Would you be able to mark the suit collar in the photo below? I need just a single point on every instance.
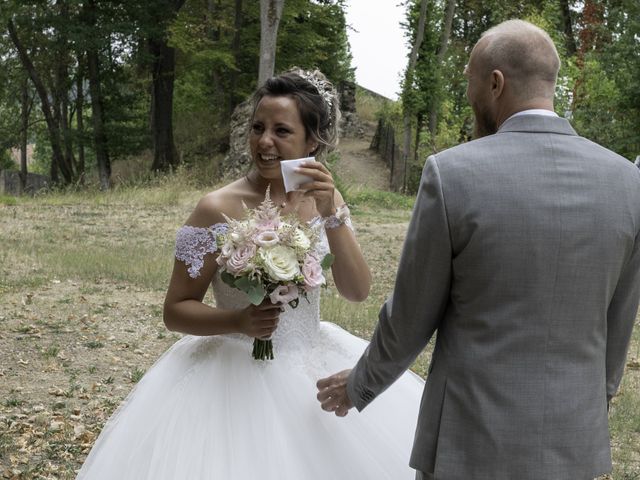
(537, 124)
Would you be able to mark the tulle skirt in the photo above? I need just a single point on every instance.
(207, 410)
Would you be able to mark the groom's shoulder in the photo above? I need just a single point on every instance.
(461, 154)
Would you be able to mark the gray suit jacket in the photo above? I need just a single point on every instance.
(523, 254)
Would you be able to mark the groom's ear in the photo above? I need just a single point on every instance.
(497, 84)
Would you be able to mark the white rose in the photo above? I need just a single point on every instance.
(280, 262)
(300, 240)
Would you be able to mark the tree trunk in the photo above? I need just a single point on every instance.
(165, 155)
(442, 50)
(270, 15)
(416, 145)
(97, 109)
(63, 85)
(62, 105)
(80, 166)
(57, 161)
(570, 41)
(399, 167)
(234, 98)
(24, 117)
(97, 116)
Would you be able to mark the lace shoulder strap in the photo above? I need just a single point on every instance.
(193, 243)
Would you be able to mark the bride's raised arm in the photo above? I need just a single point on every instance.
(350, 271)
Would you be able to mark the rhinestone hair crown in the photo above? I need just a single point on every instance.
(324, 88)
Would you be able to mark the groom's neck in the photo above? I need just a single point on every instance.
(511, 108)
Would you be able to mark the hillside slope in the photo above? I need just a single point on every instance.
(360, 166)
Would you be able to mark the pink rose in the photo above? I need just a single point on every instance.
(312, 272)
(225, 253)
(267, 238)
(284, 294)
(240, 259)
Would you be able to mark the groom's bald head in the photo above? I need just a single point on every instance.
(526, 56)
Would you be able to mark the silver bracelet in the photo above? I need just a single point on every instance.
(341, 217)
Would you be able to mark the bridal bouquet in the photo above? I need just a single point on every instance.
(266, 255)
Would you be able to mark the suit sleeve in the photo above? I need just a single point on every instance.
(414, 310)
(621, 317)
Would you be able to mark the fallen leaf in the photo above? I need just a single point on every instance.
(79, 430)
(55, 426)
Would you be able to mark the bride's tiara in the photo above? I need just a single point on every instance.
(325, 89)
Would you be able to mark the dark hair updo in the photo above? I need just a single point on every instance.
(317, 102)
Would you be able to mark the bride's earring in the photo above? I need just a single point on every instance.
(314, 147)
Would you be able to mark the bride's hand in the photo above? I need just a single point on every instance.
(260, 321)
(332, 393)
(322, 188)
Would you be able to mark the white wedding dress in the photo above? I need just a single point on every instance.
(207, 410)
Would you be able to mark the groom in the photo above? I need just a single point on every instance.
(523, 254)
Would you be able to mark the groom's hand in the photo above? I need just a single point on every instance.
(332, 393)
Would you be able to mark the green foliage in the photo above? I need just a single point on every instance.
(391, 112)
(8, 200)
(6, 162)
(367, 198)
(597, 99)
(136, 375)
(251, 286)
(314, 34)
(327, 261)
(597, 87)
(369, 105)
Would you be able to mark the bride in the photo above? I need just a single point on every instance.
(207, 409)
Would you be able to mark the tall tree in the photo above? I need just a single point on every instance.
(62, 82)
(567, 27)
(234, 98)
(163, 62)
(314, 35)
(399, 168)
(81, 165)
(97, 104)
(270, 15)
(25, 112)
(58, 162)
(440, 57)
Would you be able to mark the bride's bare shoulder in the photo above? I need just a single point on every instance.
(213, 207)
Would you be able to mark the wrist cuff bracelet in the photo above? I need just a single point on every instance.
(341, 217)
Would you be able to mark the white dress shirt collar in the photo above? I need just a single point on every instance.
(534, 111)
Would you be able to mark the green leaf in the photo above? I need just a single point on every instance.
(228, 279)
(243, 283)
(256, 294)
(327, 261)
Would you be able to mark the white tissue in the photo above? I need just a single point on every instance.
(293, 179)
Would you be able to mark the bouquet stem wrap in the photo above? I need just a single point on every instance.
(262, 349)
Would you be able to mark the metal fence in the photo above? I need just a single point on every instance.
(385, 143)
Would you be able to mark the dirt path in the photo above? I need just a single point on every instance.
(361, 166)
